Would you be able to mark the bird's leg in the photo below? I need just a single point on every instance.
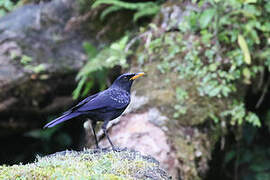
(104, 128)
(94, 123)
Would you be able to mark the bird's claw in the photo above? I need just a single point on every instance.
(116, 149)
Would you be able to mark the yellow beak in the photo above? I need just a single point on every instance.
(137, 75)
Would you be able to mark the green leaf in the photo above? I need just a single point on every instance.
(76, 92)
(259, 167)
(213, 67)
(244, 47)
(253, 119)
(229, 156)
(214, 117)
(87, 88)
(125, 5)
(105, 59)
(145, 12)
(246, 73)
(250, 1)
(267, 7)
(90, 49)
(109, 10)
(206, 17)
(26, 59)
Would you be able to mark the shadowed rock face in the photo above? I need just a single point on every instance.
(41, 51)
(38, 58)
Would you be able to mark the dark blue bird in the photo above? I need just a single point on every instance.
(103, 106)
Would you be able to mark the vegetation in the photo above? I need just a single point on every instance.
(102, 164)
(223, 45)
(116, 53)
(105, 59)
(8, 5)
(217, 68)
(5, 6)
(142, 9)
(239, 28)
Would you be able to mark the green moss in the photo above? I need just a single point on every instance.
(94, 164)
(201, 73)
(167, 57)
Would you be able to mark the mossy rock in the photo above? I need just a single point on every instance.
(93, 164)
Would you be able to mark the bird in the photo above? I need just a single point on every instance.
(102, 106)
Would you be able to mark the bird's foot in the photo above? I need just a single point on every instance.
(116, 149)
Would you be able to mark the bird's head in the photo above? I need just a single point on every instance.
(125, 81)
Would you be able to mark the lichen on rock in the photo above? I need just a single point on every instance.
(90, 163)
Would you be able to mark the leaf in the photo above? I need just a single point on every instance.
(213, 67)
(76, 92)
(145, 12)
(213, 117)
(250, 1)
(99, 61)
(229, 156)
(253, 119)
(267, 7)
(109, 10)
(259, 167)
(206, 17)
(87, 88)
(246, 73)
(90, 49)
(126, 5)
(244, 47)
(26, 59)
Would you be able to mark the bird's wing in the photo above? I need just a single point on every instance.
(71, 113)
(80, 104)
(104, 100)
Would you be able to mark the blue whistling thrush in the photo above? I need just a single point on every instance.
(103, 106)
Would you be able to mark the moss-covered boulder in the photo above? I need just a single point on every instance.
(88, 164)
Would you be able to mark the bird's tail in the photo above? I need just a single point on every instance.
(61, 119)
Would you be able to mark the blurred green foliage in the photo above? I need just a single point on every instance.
(240, 31)
(6, 6)
(98, 64)
(142, 8)
(26, 59)
(248, 159)
(116, 54)
(238, 115)
(180, 108)
(51, 139)
(217, 51)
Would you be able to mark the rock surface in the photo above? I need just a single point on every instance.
(41, 52)
(91, 163)
(182, 142)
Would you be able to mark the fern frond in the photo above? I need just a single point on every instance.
(126, 5)
(145, 12)
(144, 9)
(76, 92)
(109, 10)
(107, 58)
